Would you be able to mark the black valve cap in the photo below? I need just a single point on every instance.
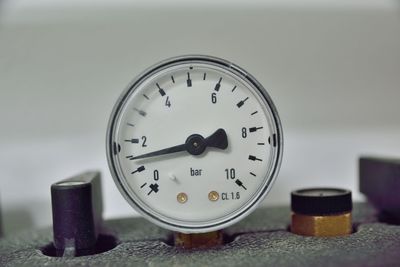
(321, 201)
(77, 214)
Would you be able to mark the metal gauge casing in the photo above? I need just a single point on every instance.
(194, 143)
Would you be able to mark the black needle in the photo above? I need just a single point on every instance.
(218, 139)
(164, 151)
(195, 144)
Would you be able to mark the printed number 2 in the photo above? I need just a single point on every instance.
(144, 139)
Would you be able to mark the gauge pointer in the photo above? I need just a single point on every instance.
(218, 139)
(195, 144)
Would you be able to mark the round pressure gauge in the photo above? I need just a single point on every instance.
(194, 144)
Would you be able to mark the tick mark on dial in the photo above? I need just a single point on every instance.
(189, 81)
(172, 78)
(160, 90)
(140, 169)
(233, 89)
(255, 112)
(253, 174)
(218, 85)
(204, 76)
(254, 129)
(254, 158)
(239, 183)
(141, 112)
(133, 140)
(241, 102)
(130, 124)
(260, 144)
(143, 185)
(145, 96)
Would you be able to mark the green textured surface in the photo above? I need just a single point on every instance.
(261, 239)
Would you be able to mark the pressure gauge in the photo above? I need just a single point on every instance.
(194, 144)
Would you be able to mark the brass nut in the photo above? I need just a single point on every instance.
(202, 240)
(323, 226)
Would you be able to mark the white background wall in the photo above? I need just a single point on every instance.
(332, 68)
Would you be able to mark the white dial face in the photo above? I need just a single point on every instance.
(194, 144)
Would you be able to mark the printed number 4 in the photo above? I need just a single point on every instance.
(167, 102)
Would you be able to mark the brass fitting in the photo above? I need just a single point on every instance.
(195, 241)
(328, 225)
(323, 212)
